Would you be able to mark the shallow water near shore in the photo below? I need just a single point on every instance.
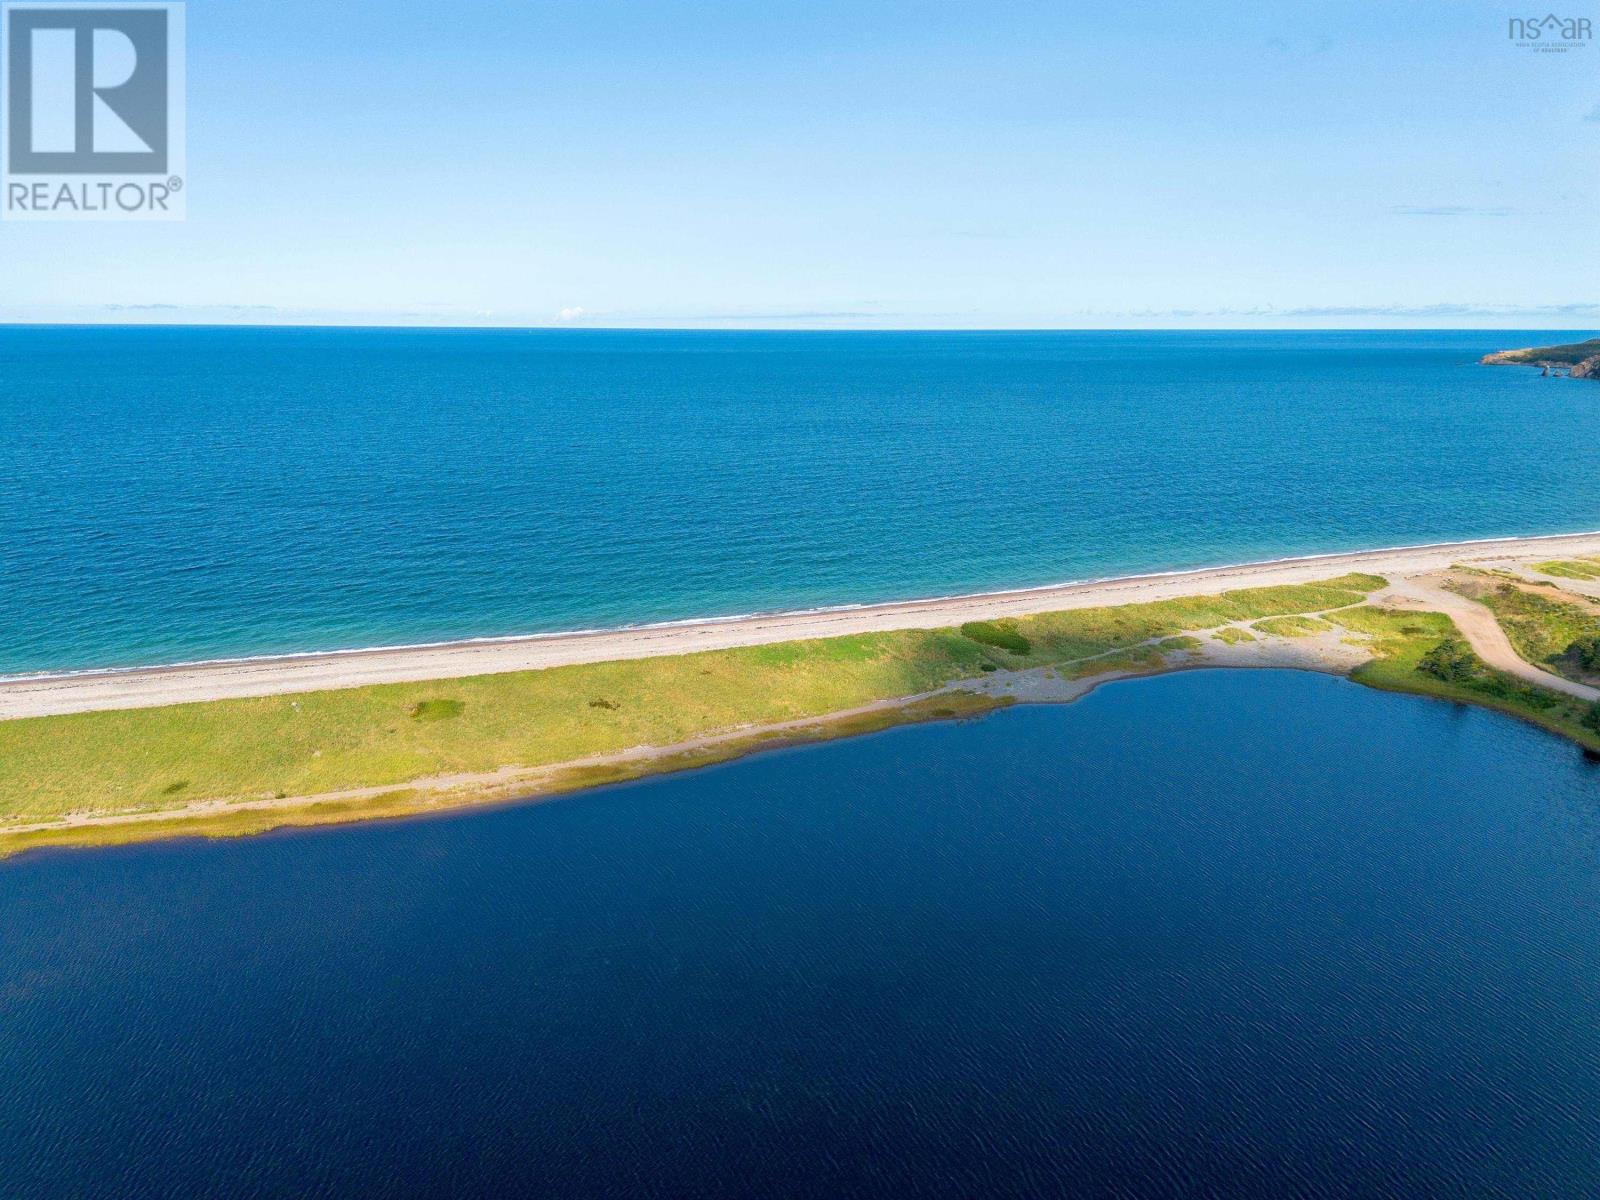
(1251, 934)
(170, 494)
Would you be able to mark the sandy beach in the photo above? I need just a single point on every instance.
(49, 695)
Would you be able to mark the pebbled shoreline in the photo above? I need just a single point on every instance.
(153, 687)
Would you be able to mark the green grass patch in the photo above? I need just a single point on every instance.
(1570, 568)
(1233, 635)
(238, 823)
(1292, 627)
(1139, 660)
(1181, 643)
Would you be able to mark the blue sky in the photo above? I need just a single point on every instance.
(857, 164)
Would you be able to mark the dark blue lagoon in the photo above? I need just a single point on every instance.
(174, 494)
(1216, 934)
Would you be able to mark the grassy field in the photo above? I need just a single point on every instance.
(144, 760)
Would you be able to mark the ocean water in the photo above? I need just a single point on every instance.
(174, 494)
(1243, 935)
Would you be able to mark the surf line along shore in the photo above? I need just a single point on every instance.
(151, 687)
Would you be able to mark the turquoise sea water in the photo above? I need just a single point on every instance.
(174, 494)
(1247, 935)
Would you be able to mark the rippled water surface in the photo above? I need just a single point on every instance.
(1234, 935)
(172, 494)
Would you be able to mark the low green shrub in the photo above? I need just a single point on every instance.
(1586, 652)
(1002, 634)
(436, 710)
(1451, 661)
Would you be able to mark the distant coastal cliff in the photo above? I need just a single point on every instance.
(1579, 360)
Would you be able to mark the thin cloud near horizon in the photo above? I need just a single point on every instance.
(1265, 316)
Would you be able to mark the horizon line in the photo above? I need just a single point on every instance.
(595, 327)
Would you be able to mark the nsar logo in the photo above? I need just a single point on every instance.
(1550, 34)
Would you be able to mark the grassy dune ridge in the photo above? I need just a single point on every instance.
(144, 760)
(1292, 626)
(244, 762)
